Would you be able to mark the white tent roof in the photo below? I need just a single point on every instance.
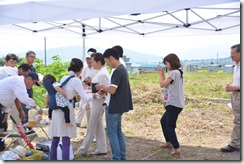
(121, 15)
(55, 10)
(139, 17)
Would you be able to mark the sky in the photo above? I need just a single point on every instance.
(186, 47)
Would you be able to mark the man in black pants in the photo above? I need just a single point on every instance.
(30, 59)
(3, 125)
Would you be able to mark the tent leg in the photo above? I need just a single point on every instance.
(84, 49)
(45, 51)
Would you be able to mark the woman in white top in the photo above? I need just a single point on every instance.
(95, 125)
(57, 127)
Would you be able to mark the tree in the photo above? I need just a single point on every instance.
(57, 69)
(2, 61)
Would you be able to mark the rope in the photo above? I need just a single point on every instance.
(151, 154)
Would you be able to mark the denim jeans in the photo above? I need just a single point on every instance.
(115, 135)
(168, 124)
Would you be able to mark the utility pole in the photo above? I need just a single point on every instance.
(217, 58)
(45, 51)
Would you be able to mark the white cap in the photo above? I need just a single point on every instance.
(88, 55)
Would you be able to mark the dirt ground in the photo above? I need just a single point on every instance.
(201, 135)
(201, 132)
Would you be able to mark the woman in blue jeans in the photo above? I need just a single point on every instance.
(173, 100)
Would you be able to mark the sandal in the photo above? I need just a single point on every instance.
(166, 146)
(175, 153)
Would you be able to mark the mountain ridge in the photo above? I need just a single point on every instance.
(67, 53)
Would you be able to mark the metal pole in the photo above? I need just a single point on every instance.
(84, 48)
(84, 37)
(217, 57)
(45, 51)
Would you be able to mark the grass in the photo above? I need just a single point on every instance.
(199, 85)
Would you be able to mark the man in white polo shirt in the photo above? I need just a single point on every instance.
(235, 142)
(15, 87)
(87, 74)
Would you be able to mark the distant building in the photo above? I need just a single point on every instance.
(149, 68)
(228, 68)
(213, 68)
(135, 68)
(190, 68)
(126, 59)
(128, 66)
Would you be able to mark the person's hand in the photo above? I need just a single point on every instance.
(85, 86)
(88, 80)
(5, 118)
(98, 86)
(78, 97)
(64, 94)
(40, 111)
(87, 106)
(22, 115)
(160, 70)
(228, 88)
(96, 96)
(101, 92)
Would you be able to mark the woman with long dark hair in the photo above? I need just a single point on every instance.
(57, 128)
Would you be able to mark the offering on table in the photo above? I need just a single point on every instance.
(32, 117)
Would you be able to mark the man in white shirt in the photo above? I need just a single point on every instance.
(234, 144)
(15, 87)
(87, 74)
(8, 71)
(30, 59)
(9, 68)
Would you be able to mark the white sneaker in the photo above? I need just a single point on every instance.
(94, 139)
(80, 151)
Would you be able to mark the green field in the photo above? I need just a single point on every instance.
(199, 85)
(196, 84)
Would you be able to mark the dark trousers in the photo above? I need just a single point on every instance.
(26, 110)
(168, 124)
(4, 126)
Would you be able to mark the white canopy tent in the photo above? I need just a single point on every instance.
(138, 17)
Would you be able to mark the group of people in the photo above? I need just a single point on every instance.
(16, 90)
(110, 94)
